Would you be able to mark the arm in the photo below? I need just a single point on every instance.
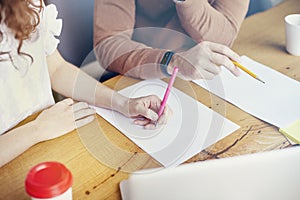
(45, 127)
(17, 141)
(218, 21)
(70, 81)
(113, 25)
(116, 50)
(66, 78)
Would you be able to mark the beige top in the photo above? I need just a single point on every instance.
(115, 41)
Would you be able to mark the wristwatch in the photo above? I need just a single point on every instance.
(165, 62)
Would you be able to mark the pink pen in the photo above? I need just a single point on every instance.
(164, 101)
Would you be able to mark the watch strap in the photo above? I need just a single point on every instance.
(165, 62)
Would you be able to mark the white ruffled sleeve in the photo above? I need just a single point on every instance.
(51, 29)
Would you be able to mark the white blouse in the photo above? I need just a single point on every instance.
(24, 86)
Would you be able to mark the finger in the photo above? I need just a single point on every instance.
(163, 119)
(150, 126)
(67, 101)
(155, 102)
(212, 68)
(138, 117)
(142, 122)
(84, 113)
(79, 105)
(223, 60)
(147, 113)
(84, 121)
(225, 50)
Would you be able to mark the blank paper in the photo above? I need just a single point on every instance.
(192, 128)
(276, 102)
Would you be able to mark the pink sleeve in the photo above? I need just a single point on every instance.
(113, 25)
(216, 20)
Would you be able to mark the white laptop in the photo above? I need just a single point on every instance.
(272, 175)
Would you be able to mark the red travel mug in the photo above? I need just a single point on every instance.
(49, 181)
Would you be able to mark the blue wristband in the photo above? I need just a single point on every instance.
(165, 62)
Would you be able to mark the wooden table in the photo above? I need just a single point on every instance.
(261, 38)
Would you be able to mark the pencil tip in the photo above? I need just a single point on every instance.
(261, 80)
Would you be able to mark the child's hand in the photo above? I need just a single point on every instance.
(62, 118)
(145, 110)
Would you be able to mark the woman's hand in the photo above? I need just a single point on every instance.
(62, 118)
(144, 110)
(203, 60)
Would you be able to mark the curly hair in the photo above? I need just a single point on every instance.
(21, 17)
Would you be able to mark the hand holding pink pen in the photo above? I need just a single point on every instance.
(164, 101)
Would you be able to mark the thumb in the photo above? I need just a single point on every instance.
(149, 114)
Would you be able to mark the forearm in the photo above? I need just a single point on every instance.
(70, 81)
(130, 58)
(18, 140)
(114, 23)
(218, 22)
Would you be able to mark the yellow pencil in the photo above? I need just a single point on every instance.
(247, 71)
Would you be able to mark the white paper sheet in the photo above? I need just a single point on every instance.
(192, 127)
(276, 102)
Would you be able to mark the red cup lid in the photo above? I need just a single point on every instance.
(48, 179)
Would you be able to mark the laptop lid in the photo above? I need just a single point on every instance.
(269, 175)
